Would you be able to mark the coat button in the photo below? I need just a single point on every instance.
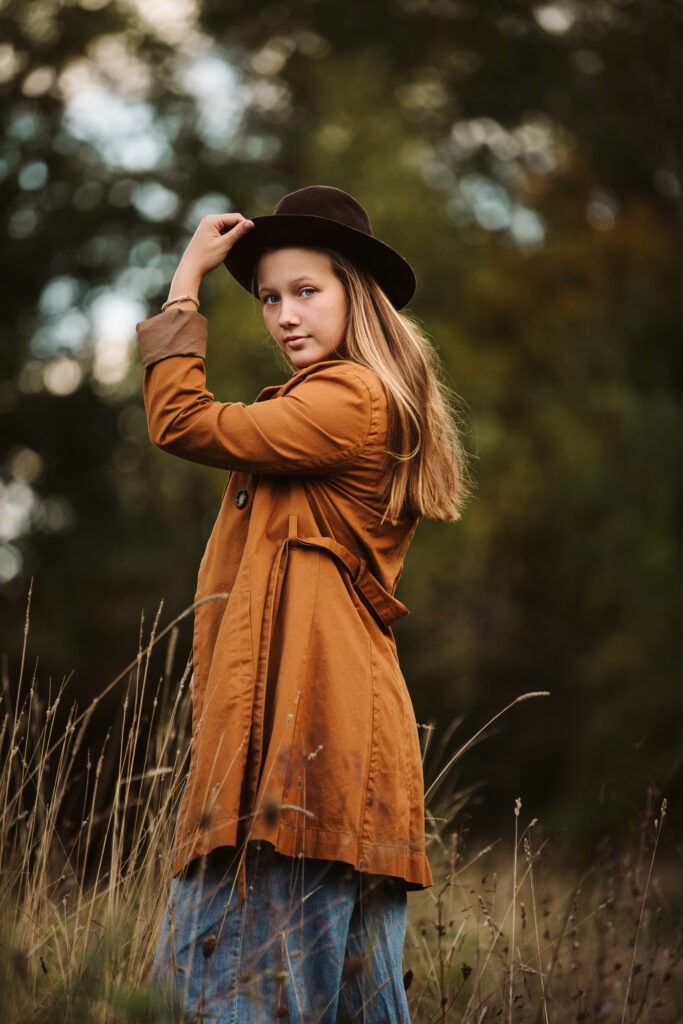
(242, 498)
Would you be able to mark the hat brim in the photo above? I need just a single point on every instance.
(393, 274)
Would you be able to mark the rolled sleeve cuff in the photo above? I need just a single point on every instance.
(177, 332)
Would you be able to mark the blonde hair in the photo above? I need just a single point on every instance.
(427, 470)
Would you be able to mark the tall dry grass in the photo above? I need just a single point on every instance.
(86, 830)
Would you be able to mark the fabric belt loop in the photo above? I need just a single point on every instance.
(293, 526)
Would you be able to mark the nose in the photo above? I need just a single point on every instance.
(288, 313)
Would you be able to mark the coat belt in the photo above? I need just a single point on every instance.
(384, 604)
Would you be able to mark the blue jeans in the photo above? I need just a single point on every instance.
(315, 940)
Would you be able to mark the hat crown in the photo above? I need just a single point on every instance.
(327, 202)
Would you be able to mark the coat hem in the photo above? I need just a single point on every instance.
(378, 859)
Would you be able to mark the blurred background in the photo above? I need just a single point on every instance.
(527, 159)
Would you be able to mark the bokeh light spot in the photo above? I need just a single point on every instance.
(155, 202)
(59, 294)
(23, 222)
(555, 19)
(38, 81)
(10, 562)
(602, 209)
(24, 464)
(62, 376)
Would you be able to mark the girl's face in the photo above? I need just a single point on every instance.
(304, 304)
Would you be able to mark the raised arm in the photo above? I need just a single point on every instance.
(212, 241)
(320, 425)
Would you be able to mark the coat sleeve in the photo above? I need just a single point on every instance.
(319, 426)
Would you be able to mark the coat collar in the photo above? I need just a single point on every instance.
(278, 390)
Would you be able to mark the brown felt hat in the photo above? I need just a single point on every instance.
(323, 217)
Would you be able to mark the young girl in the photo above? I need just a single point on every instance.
(302, 821)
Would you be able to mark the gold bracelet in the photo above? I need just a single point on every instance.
(181, 298)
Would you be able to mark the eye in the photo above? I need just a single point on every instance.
(308, 288)
(267, 298)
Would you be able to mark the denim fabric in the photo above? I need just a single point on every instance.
(315, 941)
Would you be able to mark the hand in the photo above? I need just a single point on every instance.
(210, 244)
(212, 241)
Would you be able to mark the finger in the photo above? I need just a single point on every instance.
(225, 221)
(238, 230)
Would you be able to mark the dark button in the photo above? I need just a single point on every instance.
(242, 498)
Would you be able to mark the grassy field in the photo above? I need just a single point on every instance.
(504, 934)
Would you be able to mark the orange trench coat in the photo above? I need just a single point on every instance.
(303, 729)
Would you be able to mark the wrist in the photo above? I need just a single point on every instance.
(181, 302)
(186, 281)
